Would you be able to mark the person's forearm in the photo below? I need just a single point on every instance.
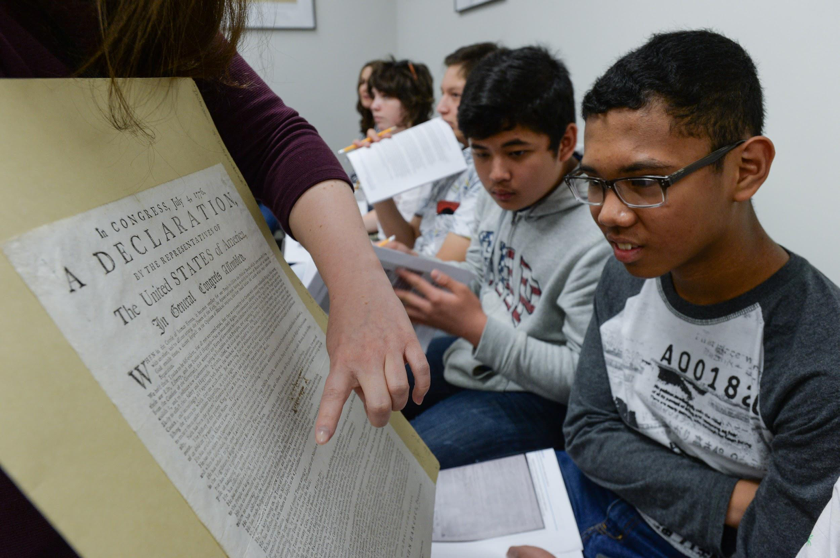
(369, 337)
(684, 495)
(393, 224)
(453, 249)
(471, 328)
(541, 367)
(370, 221)
(326, 221)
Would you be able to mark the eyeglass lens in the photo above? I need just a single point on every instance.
(633, 191)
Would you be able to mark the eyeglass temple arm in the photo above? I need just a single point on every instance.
(707, 160)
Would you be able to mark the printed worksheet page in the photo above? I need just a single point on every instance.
(413, 157)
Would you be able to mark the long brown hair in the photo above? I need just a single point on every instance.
(162, 38)
(366, 123)
(411, 83)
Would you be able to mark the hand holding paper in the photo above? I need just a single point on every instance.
(454, 308)
(400, 247)
(416, 156)
(372, 137)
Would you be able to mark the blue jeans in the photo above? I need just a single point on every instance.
(463, 426)
(609, 527)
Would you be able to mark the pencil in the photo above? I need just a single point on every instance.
(366, 140)
(382, 243)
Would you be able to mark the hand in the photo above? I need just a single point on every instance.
(369, 336)
(453, 308)
(372, 137)
(400, 247)
(369, 339)
(742, 496)
(528, 552)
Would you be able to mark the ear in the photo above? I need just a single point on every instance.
(567, 143)
(753, 167)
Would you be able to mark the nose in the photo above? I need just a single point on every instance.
(441, 106)
(376, 104)
(613, 213)
(499, 171)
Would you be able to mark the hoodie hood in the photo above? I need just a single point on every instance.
(560, 199)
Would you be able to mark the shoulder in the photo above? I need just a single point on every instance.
(805, 308)
(801, 339)
(614, 288)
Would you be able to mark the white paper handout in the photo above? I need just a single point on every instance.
(489, 484)
(392, 260)
(413, 157)
(177, 305)
(486, 500)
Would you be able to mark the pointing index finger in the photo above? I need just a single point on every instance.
(336, 392)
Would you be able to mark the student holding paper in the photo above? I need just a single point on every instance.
(500, 386)
(402, 98)
(443, 225)
(704, 420)
(284, 161)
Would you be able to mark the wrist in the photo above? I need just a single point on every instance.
(475, 328)
(359, 274)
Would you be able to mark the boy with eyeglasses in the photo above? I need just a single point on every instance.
(501, 385)
(704, 419)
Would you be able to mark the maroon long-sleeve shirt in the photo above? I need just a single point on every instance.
(279, 153)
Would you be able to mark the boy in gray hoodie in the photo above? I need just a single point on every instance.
(500, 386)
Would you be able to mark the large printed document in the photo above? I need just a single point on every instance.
(161, 371)
(421, 154)
(177, 305)
(482, 510)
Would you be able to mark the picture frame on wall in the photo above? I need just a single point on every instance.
(281, 14)
(464, 5)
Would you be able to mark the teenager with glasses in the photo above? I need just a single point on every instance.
(704, 416)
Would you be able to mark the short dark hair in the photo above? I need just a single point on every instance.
(707, 82)
(410, 82)
(523, 87)
(468, 56)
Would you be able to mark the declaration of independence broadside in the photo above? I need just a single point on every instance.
(176, 304)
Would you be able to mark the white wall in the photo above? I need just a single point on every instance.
(316, 71)
(796, 46)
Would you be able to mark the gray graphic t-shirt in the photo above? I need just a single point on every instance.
(673, 403)
(691, 385)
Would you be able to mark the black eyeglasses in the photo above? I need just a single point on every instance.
(638, 191)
